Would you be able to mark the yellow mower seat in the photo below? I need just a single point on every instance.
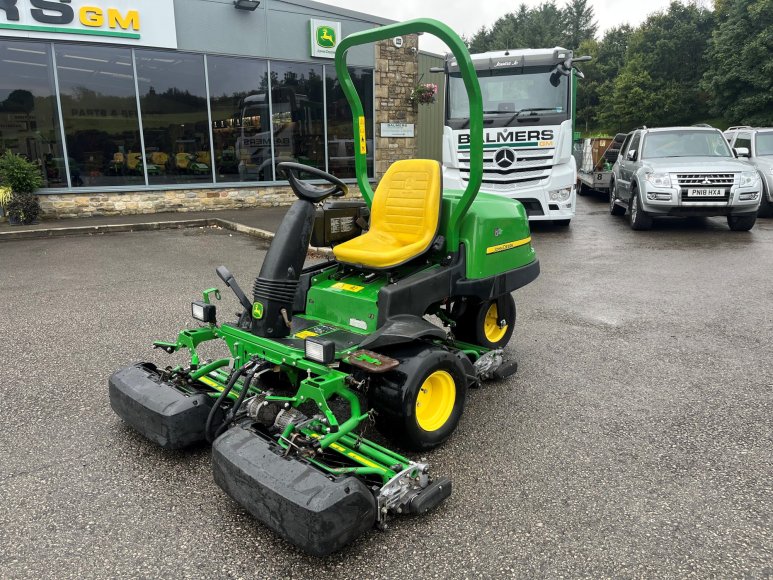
(404, 217)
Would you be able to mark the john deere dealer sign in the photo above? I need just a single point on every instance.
(325, 36)
(134, 22)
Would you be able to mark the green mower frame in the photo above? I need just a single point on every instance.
(284, 409)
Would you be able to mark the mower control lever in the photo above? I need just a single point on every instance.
(225, 275)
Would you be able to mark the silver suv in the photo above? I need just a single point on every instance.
(683, 171)
(757, 146)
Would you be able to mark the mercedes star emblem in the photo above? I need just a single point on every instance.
(504, 158)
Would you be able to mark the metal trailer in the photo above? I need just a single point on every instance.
(597, 156)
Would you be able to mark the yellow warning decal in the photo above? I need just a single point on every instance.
(351, 454)
(306, 334)
(347, 287)
(210, 383)
(363, 140)
(508, 246)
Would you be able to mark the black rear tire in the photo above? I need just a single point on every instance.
(428, 375)
(471, 325)
(582, 189)
(741, 223)
(614, 209)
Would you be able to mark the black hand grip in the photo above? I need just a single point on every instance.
(225, 275)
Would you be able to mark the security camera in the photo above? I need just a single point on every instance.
(414, 50)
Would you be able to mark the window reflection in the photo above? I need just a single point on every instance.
(340, 132)
(174, 117)
(298, 113)
(29, 124)
(241, 124)
(99, 107)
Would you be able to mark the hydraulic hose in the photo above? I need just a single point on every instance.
(231, 382)
(243, 395)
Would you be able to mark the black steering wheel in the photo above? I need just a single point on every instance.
(308, 192)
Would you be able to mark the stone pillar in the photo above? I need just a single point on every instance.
(397, 71)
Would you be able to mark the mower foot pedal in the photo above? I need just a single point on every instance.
(506, 369)
(430, 496)
(372, 362)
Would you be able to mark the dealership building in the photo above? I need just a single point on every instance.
(138, 106)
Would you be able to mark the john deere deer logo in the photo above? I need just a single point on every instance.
(326, 37)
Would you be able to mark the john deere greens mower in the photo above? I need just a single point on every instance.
(319, 353)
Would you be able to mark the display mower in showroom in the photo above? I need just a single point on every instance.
(319, 353)
(686, 172)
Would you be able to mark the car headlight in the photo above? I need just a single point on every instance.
(561, 194)
(749, 179)
(658, 179)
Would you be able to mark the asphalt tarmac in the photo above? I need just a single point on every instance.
(635, 441)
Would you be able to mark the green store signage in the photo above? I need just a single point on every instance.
(325, 35)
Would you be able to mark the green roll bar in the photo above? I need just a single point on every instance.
(459, 50)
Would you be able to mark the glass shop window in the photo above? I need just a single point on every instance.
(241, 123)
(173, 101)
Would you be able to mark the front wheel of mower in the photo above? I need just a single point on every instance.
(480, 323)
(420, 403)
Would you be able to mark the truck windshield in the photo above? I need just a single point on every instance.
(685, 144)
(509, 95)
(764, 143)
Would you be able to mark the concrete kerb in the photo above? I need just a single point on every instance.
(150, 226)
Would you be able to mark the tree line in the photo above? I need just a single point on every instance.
(686, 64)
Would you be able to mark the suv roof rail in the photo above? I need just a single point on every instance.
(642, 127)
(736, 127)
(706, 125)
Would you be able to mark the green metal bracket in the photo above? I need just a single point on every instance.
(207, 294)
(470, 78)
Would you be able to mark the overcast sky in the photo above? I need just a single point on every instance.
(467, 16)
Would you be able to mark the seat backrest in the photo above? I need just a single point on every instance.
(406, 203)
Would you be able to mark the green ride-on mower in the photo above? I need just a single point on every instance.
(319, 352)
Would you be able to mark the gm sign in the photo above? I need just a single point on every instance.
(137, 22)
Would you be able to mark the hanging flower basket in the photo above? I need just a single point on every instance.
(424, 94)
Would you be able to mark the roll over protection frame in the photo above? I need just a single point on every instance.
(471, 83)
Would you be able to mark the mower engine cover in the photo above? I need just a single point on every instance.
(297, 501)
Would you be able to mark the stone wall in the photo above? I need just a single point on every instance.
(397, 71)
(59, 206)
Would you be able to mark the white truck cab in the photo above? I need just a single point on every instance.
(528, 103)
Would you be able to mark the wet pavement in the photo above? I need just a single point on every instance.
(635, 440)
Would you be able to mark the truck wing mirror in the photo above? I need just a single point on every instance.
(741, 151)
(631, 155)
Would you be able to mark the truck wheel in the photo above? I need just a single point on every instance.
(582, 189)
(614, 209)
(479, 323)
(420, 403)
(741, 223)
(639, 219)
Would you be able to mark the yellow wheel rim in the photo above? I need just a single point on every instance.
(435, 401)
(491, 325)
